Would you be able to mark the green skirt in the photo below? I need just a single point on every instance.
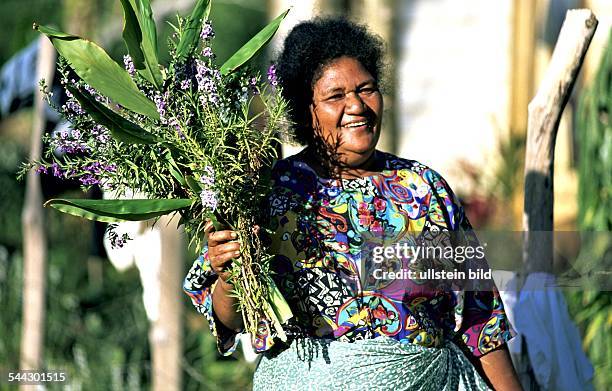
(373, 364)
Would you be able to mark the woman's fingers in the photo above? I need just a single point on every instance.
(208, 226)
(229, 249)
(219, 237)
(222, 248)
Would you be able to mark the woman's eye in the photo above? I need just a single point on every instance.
(336, 97)
(368, 90)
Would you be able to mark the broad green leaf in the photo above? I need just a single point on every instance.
(149, 41)
(191, 35)
(251, 48)
(111, 211)
(141, 40)
(121, 128)
(132, 36)
(98, 70)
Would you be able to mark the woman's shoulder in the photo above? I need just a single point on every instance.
(414, 167)
(293, 174)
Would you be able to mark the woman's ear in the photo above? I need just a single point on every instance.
(313, 116)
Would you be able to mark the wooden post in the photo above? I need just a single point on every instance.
(544, 114)
(165, 335)
(33, 222)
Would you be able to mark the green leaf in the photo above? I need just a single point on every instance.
(132, 35)
(174, 169)
(149, 42)
(121, 128)
(142, 47)
(191, 35)
(252, 47)
(111, 211)
(279, 304)
(98, 70)
(193, 184)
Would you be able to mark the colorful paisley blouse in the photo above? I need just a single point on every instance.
(325, 234)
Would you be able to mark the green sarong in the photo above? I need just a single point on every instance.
(373, 364)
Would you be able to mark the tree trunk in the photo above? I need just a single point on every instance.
(165, 335)
(34, 237)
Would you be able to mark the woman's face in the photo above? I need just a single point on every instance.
(347, 110)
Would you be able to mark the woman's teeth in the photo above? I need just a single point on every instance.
(356, 124)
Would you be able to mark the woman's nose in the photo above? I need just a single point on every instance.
(354, 103)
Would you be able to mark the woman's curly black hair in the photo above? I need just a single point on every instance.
(308, 48)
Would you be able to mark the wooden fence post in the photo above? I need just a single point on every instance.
(544, 114)
(34, 236)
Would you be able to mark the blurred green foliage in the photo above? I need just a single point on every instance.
(96, 326)
(16, 23)
(592, 309)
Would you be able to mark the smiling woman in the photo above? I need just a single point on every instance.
(329, 206)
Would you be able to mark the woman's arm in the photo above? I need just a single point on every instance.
(221, 250)
(497, 370)
(224, 306)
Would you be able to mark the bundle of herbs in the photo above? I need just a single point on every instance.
(194, 137)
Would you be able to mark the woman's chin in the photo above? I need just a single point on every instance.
(357, 158)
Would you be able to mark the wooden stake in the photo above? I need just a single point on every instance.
(34, 236)
(544, 114)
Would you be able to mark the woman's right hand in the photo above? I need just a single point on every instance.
(222, 249)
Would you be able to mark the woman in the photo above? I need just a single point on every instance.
(335, 210)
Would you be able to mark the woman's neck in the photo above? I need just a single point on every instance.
(326, 167)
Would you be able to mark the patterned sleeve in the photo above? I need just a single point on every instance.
(481, 323)
(198, 285)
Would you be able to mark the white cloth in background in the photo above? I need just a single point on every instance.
(540, 315)
(144, 250)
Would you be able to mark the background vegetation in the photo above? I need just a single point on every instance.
(96, 327)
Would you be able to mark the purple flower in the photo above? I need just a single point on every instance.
(207, 52)
(129, 65)
(177, 127)
(88, 179)
(209, 199)
(101, 134)
(41, 170)
(272, 75)
(205, 78)
(94, 93)
(207, 32)
(185, 84)
(160, 103)
(73, 107)
(208, 179)
(57, 171)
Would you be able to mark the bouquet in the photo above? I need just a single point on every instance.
(183, 135)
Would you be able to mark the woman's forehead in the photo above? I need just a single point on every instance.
(343, 72)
